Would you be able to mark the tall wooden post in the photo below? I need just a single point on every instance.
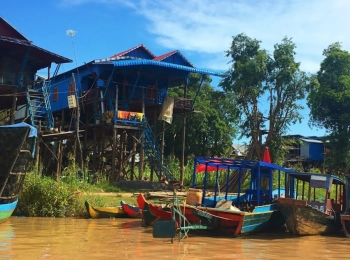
(162, 143)
(114, 148)
(182, 170)
(14, 105)
(59, 160)
(142, 139)
(133, 159)
(77, 124)
(37, 152)
(94, 155)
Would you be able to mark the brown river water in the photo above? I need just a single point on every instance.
(59, 238)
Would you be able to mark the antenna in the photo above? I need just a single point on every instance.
(71, 34)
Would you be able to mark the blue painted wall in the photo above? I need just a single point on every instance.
(316, 151)
(132, 92)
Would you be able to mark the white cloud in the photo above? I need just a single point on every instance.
(207, 27)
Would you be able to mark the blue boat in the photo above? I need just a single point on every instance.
(253, 208)
(17, 144)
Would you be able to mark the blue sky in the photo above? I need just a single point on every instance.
(201, 29)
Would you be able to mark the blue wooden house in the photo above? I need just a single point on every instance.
(309, 150)
(129, 88)
(312, 149)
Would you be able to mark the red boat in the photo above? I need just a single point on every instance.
(131, 211)
(147, 218)
(141, 201)
(160, 212)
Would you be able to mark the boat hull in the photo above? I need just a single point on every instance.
(7, 209)
(302, 219)
(147, 217)
(263, 218)
(131, 211)
(159, 211)
(345, 221)
(104, 212)
(16, 151)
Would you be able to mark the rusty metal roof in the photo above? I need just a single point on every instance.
(174, 54)
(37, 53)
(141, 46)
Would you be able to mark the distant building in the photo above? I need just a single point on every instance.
(307, 150)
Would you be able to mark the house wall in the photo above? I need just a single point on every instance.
(304, 150)
(61, 82)
(316, 151)
(312, 151)
(154, 89)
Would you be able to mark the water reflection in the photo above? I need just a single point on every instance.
(51, 238)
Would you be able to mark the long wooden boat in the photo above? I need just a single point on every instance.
(237, 222)
(131, 211)
(250, 211)
(345, 217)
(160, 212)
(17, 149)
(104, 212)
(147, 218)
(310, 214)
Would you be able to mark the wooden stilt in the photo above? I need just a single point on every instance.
(37, 152)
(141, 163)
(114, 148)
(59, 160)
(94, 154)
(182, 170)
(14, 105)
(132, 170)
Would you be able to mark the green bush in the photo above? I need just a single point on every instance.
(43, 197)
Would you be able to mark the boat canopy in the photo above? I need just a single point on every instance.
(207, 164)
(307, 176)
(236, 171)
(33, 132)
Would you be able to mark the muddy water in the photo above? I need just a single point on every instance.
(50, 238)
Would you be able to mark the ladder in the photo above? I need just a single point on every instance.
(153, 153)
(39, 107)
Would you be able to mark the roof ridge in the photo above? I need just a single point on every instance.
(133, 48)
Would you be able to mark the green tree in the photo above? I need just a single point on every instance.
(267, 89)
(210, 128)
(329, 102)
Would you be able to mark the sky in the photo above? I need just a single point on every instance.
(201, 30)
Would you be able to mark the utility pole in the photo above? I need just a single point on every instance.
(77, 121)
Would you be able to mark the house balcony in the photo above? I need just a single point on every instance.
(183, 105)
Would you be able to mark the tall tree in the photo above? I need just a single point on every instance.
(267, 89)
(210, 128)
(329, 102)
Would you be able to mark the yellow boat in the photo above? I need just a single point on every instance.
(105, 212)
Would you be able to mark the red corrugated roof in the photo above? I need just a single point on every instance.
(132, 49)
(166, 55)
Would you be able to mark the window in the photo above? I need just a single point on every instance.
(55, 94)
(71, 89)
